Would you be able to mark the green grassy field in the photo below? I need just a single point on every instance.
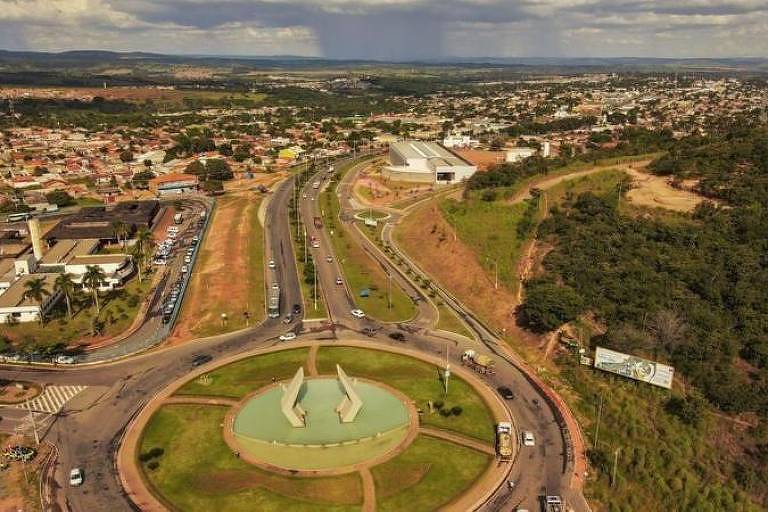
(411, 481)
(238, 379)
(118, 310)
(489, 228)
(419, 381)
(198, 472)
(362, 272)
(448, 321)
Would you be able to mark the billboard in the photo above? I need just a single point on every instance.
(634, 367)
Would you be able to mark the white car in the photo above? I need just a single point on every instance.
(184, 269)
(528, 439)
(316, 244)
(272, 264)
(288, 336)
(187, 259)
(76, 477)
(329, 259)
(65, 359)
(357, 313)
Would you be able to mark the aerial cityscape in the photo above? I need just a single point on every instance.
(332, 256)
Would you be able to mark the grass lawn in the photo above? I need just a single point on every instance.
(427, 475)
(362, 272)
(118, 310)
(490, 229)
(198, 472)
(448, 321)
(238, 379)
(419, 381)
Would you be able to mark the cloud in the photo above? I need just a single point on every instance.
(392, 29)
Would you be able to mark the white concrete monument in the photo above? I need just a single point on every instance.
(289, 403)
(351, 403)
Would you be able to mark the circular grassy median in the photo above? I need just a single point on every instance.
(189, 465)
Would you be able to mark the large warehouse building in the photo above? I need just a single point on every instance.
(426, 162)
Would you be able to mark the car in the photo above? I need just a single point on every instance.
(65, 359)
(339, 281)
(505, 392)
(316, 244)
(287, 336)
(201, 359)
(296, 309)
(187, 259)
(397, 336)
(369, 331)
(272, 264)
(303, 196)
(76, 477)
(160, 261)
(329, 259)
(288, 318)
(357, 313)
(528, 439)
(184, 269)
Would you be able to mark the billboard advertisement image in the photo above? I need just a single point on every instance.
(634, 367)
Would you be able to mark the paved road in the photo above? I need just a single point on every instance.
(88, 437)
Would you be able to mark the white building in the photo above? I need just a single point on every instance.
(459, 141)
(15, 307)
(518, 154)
(426, 162)
(116, 267)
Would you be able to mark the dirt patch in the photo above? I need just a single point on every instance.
(222, 278)
(307, 489)
(17, 392)
(482, 159)
(659, 192)
(427, 235)
(373, 189)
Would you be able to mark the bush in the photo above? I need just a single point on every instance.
(445, 412)
(547, 305)
(438, 404)
(456, 410)
(156, 452)
(153, 465)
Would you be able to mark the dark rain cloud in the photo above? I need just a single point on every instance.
(665, 7)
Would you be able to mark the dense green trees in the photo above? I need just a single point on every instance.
(548, 305)
(60, 198)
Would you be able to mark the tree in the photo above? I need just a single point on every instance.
(213, 186)
(60, 198)
(92, 279)
(142, 248)
(547, 306)
(197, 168)
(120, 229)
(126, 156)
(66, 286)
(218, 169)
(668, 329)
(35, 289)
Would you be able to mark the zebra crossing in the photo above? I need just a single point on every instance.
(52, 399)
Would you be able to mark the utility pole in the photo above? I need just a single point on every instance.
(615, 463)
(389, 290)
(597, 423)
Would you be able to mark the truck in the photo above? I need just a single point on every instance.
(504, 439)
(318, 222)
(273, 304)
(478, 362)
(178, 218)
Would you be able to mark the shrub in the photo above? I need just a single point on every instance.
(153, 465)
(456, 410)
(438, 404)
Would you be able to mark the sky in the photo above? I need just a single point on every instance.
(393, 29)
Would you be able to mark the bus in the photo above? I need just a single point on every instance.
(17, 217)
(273, 303)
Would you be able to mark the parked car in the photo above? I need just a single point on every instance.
(288, 336)
(397, 336)
(505, 392)
(187, 259)
(64, 359)
(76, 477)
(184, 269)
(296, 309)
(272, 264)
(357, 313)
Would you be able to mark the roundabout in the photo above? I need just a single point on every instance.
(373, 430)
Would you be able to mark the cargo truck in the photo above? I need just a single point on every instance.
(478, 362)
(504, 439)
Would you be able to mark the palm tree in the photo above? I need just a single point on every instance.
(93, 279)
(121, 231)
(66, 286)
(35, 290)
(142, 247)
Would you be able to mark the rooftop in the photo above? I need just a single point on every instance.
(14, 296)
(429, 150)
(64, 250)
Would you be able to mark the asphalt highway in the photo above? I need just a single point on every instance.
(88, 432)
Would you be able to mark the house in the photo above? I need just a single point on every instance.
(16, 307)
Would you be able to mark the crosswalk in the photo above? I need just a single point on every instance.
(52, 399)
